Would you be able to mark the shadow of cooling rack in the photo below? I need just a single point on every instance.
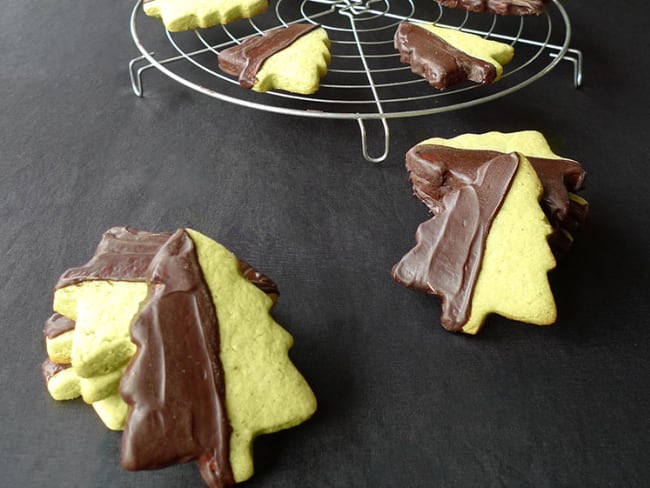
(366, 80)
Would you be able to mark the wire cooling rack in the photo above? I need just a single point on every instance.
(366, 80)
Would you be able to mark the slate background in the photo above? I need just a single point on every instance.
(402, 402)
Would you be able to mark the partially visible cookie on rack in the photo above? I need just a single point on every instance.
(183, 15)
(446, 57)
(500, 7)
(292, 59)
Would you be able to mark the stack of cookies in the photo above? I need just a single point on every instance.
(170, 338)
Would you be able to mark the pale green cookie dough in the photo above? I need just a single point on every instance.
(103, 311)
(513, 280)
(59, 348)
(528, 142)
(494, 52)
(299, 67)
(97, 388)
(264, 390)
(112, 411)
(64, 385)
(182, 15)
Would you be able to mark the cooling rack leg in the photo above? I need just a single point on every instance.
(136, 74)
(364, 142)
(575, 57)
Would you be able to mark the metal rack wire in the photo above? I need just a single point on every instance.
(365, 80)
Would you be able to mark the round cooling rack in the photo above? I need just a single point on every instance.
(366, 80)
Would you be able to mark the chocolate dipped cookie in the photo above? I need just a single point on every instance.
(486, 248)
(292, 58)
(500, 7)
(446, 57)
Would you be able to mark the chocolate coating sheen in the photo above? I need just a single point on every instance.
(465, 194)
(559, 177)
(260, 280)
(437, 61)
(123, 253)
(500, 7)
(245, 60)
(56, 325)
(174, 384)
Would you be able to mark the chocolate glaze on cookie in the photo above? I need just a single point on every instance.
(559, 177)
(468, 193)
(260, 280)
(123, 254)
(440, 63)
(49, 369)
(56, 325)
(500, 7)
(174, 385)
(246, 59)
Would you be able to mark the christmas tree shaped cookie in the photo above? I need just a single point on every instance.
(445, 57)
(209, 369)
(292, 59)
(485, 250)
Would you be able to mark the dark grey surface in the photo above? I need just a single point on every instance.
(402, 402)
